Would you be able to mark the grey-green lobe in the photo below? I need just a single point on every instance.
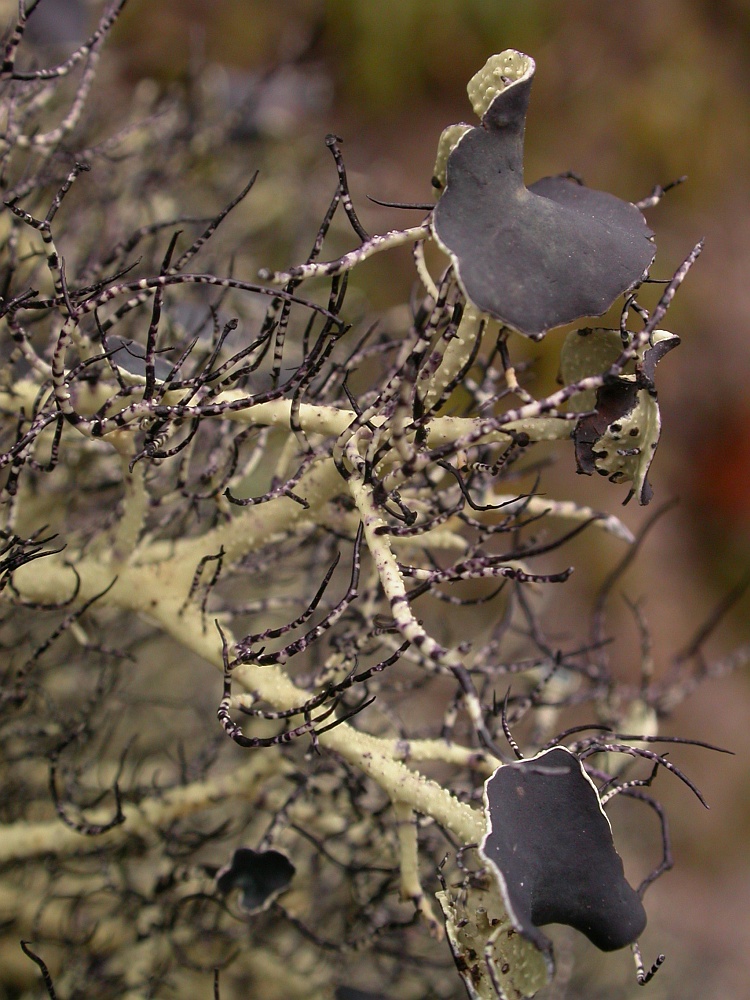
(534, 258)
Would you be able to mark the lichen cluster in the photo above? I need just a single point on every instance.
(268, 569)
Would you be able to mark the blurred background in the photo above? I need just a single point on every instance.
(627, 95)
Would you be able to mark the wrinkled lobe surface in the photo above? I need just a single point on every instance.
(552, 846)
(536, 257)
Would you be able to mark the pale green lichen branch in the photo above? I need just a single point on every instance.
(150, 590)
(376, 244)
(411, 886)
(432, 653)
(143, 820)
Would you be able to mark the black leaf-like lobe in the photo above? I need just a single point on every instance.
(259, 875)
(537, 257)
(614, 401)
(551, 846)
